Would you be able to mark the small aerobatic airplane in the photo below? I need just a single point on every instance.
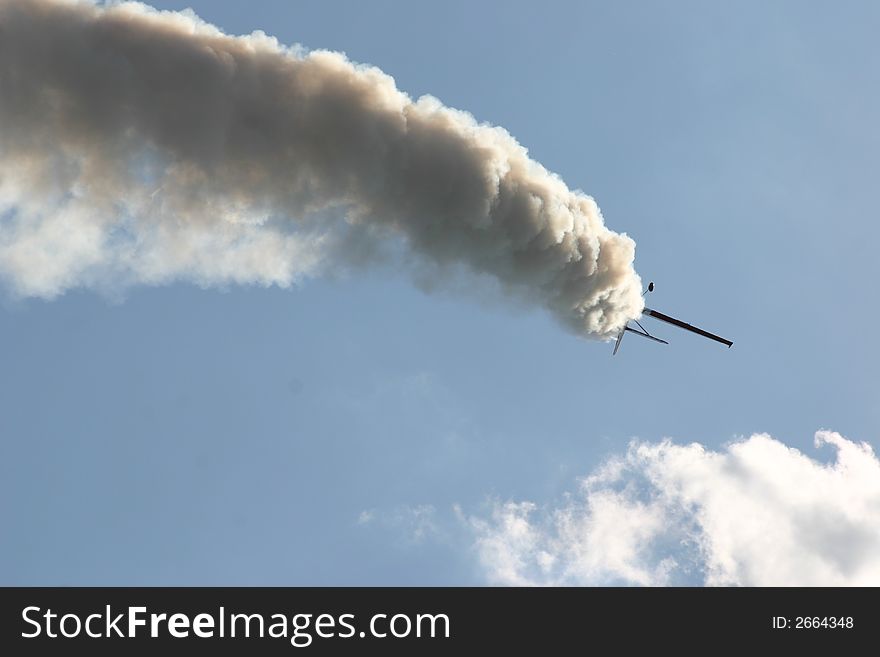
(669, 320)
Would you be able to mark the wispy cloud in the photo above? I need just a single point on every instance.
(414, 524)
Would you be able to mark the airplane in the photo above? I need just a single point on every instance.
(663, 318)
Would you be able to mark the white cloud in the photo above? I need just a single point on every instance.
(755, 513)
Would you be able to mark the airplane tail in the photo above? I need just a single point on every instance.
(643, 332)
(619, 340)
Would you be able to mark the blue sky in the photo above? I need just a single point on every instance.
(188, 436)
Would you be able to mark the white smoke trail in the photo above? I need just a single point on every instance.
(141, 147)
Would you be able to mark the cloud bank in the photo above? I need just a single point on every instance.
(143, 147)
(756, 513)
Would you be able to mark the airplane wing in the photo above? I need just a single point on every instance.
(684, 325)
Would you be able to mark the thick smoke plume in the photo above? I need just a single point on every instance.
(141, 147)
